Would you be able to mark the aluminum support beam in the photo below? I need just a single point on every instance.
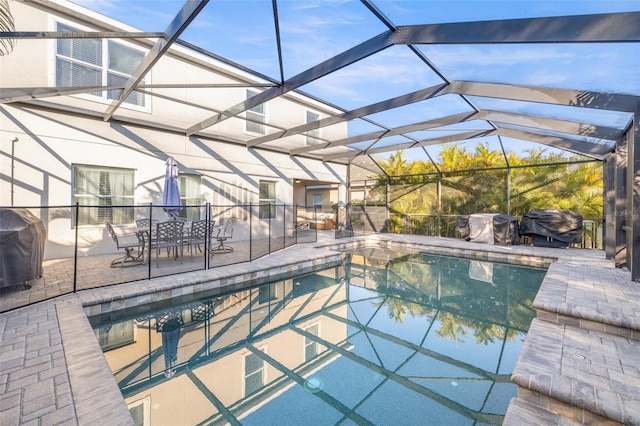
(597, 28)
(424, 142)
(579, 129)
(633, 198)
(348, 57)
(576, 98)
(592, 150)
(20, 94)
(551, 124)
(425, 125)
(609, 204)
(186, 15)
(43, 35)
(406, 99)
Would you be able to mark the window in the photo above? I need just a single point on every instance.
(96, 62)
(267, 199)
(106, 192)
(253, 373)
(190, 195)
(313, 135)
(311, 347)
(255, 116)
(317, 200)
(267, 293)
(141, 411)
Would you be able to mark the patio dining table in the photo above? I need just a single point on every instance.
(174, 235)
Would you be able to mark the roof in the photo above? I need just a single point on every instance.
(409, 75)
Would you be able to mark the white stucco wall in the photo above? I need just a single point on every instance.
(51, 140)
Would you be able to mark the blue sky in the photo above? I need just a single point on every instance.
(315, 30)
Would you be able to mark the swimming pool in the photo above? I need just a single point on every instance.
(384, 338)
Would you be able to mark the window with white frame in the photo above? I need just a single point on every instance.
(97, 62)
(313, 136)
(256, 116)
(104, 194)
(141, 411)
(191, 196)
(267, 199)
(311, 347)
(254, 373)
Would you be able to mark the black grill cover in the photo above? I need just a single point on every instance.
(561, 225)
(505, 230)
(22, 238)
(462, 227)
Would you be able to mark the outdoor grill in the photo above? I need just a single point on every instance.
(552, 228)
(22, 238)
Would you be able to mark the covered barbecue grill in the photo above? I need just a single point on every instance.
(552, 228)
(491, 228)
(22, 238)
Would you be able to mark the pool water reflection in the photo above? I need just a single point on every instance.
(384, 338)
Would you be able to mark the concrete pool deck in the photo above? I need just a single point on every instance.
(579, 363)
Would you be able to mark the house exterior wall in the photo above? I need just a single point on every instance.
(52, 138)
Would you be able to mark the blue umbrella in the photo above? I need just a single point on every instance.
(171, 193)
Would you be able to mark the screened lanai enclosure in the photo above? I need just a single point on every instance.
(451, 107)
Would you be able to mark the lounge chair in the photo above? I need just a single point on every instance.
(131, 242)
(225, 233)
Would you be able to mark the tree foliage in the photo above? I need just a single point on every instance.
(477, 181)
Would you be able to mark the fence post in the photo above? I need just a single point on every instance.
(439, 190)
(149, 245)
(207, 236)
(251, 232)
(270, 227)
(75, 251)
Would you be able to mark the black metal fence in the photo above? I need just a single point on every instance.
(362, 219)
(77, 251)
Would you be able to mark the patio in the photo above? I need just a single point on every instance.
(96, 270)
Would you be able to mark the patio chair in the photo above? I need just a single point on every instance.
(146, 225)
(168, 235)
(201, 234)
(225, 233)
(131, 242)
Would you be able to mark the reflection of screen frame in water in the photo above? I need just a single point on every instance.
(440, 312)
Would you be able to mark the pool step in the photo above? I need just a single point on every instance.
(523, 413)
(581, 357)
(580, 297)
(586, 376)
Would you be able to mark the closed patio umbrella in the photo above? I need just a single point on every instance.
(170, 325)
(171, 193)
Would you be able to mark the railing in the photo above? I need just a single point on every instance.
(361, 220)
(55, 250)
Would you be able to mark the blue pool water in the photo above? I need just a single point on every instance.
(384, 338)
